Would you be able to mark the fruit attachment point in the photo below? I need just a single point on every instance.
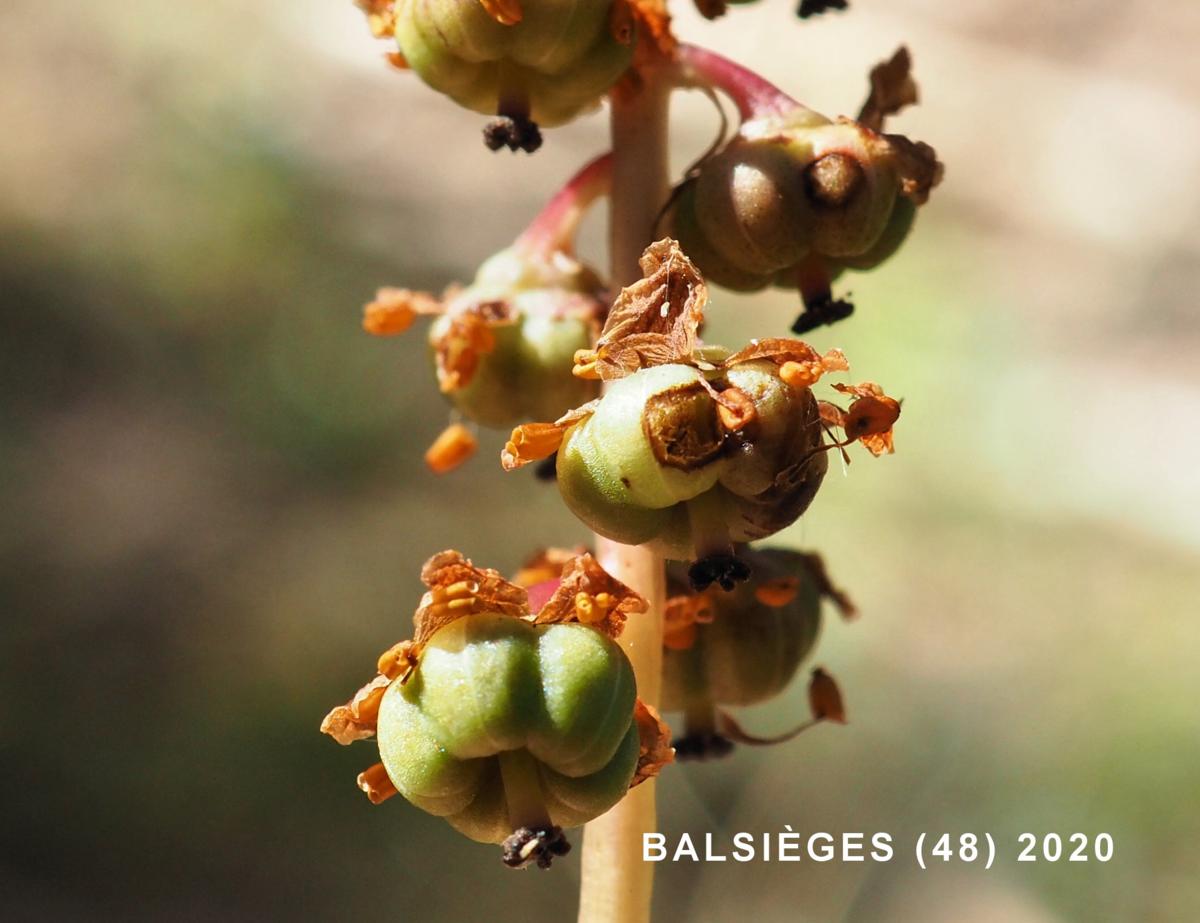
(529, 845)
(515, 132)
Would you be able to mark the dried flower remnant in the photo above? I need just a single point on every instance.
(741, 648)
(795, 198)
(512, 58)
(502, 347)
(551, 733)
(692, 448)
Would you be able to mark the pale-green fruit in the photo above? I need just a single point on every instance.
(559, 60)
(560, 696)
(548, 309)
(654, 465)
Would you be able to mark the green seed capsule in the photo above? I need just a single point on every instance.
(751, 650)
(555, 60)
(504, 720)
(504, 346)
(656, 464)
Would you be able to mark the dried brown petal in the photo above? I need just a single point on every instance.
(357, 718)
(532, 442)
(871, 417)
(824, 698)
(815, 565)
(892, 88)
(452, 447)
(654, 321)
(399, 660)
(457, 589)
(376, 783)
(655, 738)
(800, 365)
(544, 565)
(468, 338)
(588, 594)
(394, 310)
(735, 409)
(381, 17)
(919, 168)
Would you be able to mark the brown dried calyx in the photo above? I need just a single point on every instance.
(654, 321)
(892, 89)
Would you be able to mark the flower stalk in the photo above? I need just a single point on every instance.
(617, 885)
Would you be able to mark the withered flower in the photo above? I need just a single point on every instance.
(692, 448)
(808, 196)
(728, 649)
(510, 723)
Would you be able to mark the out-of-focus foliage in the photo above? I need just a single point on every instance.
(214, 506)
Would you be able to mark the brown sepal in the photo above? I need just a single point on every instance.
(800, 365)
(918, 166)
(394, 309)
(356, 719)
(532, 442)
(815, 565)
(892, 88)
(824, 698)
(654, 321)
(588, 594)
(457, 588)
(654, 736)
(545, 564)
(870, 418)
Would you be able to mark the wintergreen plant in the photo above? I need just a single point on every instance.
(521, 708)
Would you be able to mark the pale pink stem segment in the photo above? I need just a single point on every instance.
(555, 227)
(753, 96)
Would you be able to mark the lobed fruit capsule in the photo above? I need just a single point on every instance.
(743, 647)
(510, 724)
(535, 61)
(658, 463)
(499, 708)
(503, 346)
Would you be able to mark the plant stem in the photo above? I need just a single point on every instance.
(617, 884)
(753, 96)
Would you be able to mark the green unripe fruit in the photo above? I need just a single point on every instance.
(501, 712)
(532, 317)
(654, 463)
(560, 58)
(750, 651)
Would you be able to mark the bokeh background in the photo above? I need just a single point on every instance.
(214, 508)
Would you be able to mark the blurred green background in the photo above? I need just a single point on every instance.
(215, 510)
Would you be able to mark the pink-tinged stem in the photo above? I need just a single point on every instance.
(555, 227)
(753, 96)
